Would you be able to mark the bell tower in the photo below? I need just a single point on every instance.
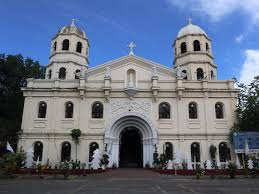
(193, 53)
(69, 53)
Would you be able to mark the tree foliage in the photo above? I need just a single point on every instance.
(75, 134)
(14, 70)
(13, 161)
(248, 107)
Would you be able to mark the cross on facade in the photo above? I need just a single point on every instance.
(131, 47)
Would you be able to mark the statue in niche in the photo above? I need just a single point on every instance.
(131, 81)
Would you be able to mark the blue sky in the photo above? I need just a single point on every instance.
(27, 27)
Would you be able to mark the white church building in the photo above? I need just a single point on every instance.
(129, 107)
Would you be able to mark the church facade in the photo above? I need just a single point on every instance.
(130, 107)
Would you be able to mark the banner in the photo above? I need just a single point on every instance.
(246, 142)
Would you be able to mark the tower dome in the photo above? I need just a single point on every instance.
(72, 29)
(191, 29)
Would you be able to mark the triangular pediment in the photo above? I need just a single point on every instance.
(118, 67)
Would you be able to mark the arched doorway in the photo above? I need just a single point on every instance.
(115, 130)
(131, 151)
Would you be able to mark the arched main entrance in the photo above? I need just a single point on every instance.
(131, 148)
(115, 132)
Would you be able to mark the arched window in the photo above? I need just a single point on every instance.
(97, 110)
(164, 110)
(200, 74)
(65, 152)
(62, 73)
(92, 147)
(193, 112)
(212, 75)
(50, 74)
(55, 46)
(196, 45)
(37, 151)
(76, 76)
(195, 152)
(65, 45)
(168, 150)
(219, 110)
(42, 110)
(69, 110)
(185, 74)
(79, 47)
(224, 152)
(207, 47)
(183, 48)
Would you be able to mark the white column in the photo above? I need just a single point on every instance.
(116, 148)
(147, 152)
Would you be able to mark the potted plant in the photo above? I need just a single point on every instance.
(104, 161)
(199, 171)
(155, 160)
(163, 161)
(232, 169)
(64, 168)
(147, 165)
(114, 166)
(39, 169)
(75, 134)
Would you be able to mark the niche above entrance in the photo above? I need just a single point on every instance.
(131, 83)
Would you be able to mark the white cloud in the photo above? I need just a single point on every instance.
(250, 68)
(217, 9)
(239, 38)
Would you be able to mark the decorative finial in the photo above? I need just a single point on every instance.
(73, 22)
(131, 47)
(189, 20)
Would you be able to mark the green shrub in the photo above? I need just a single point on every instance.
(232, 169)
(64, 168)
(199, 171)
(155, 159)
(105, 160)
(13, 161)
(163, 161)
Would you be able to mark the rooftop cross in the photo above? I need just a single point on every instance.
(189, 20)
(73, 22)
(131, 47)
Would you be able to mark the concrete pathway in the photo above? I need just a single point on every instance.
(131, 173)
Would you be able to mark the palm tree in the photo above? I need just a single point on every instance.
(75, 134)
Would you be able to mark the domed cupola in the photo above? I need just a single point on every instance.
(193, 54)
(72, 29)
(69, 53)
(191, 29)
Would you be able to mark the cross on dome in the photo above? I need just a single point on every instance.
(189, 20)
(73, 22)
(131, 47)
